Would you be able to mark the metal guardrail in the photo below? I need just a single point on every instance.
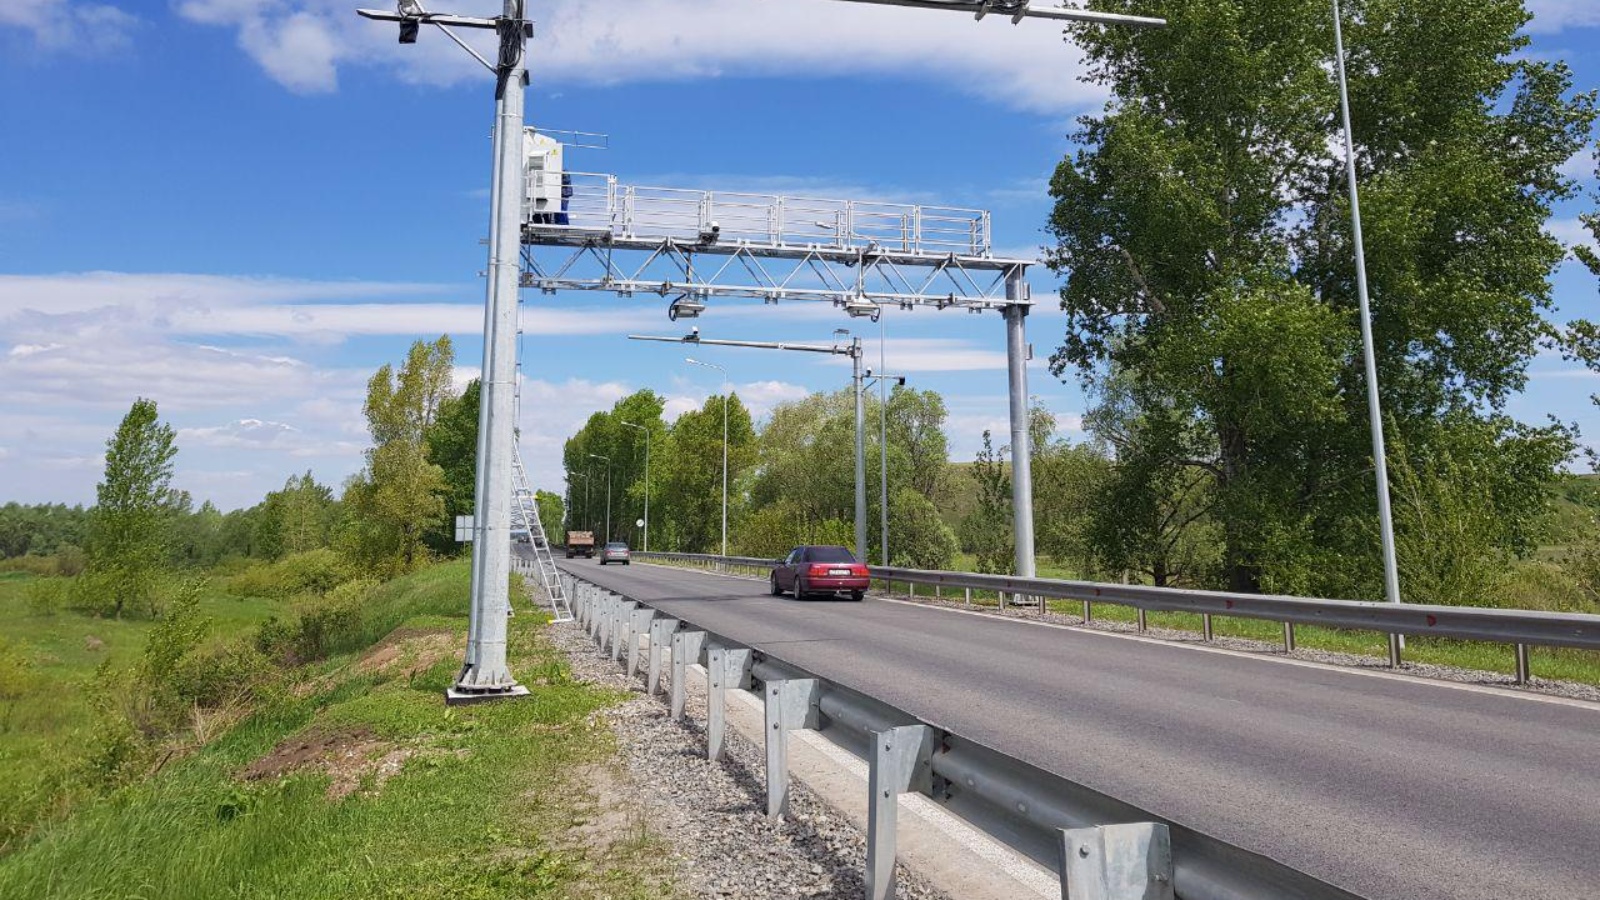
(1520, 628)
(1103, 848)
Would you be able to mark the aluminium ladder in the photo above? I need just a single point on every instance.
(525, 517)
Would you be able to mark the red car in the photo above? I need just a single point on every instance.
(820, 570)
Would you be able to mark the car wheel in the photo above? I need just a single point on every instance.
(858, 596)
(774, 589)
(800, 591)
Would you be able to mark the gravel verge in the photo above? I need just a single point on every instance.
(1567, 689)
(713, 815)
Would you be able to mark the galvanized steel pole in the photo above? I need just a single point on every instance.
(883, 447)
(1391, 569)
(1021, 452)
(485, 670)
(646, 432)
(861, 450)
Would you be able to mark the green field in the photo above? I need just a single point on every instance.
(353, 780)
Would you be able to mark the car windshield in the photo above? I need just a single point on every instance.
(830, 554)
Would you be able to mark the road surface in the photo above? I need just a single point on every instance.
(1392, 788)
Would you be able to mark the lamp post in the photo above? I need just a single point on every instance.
(646, 481)
(1391, 569)
(696, 362)
(883, 378)
(607, 459)
(857, 381)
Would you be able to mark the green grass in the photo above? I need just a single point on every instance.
(40, 734)
(480, 806)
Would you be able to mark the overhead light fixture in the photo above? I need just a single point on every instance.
(710, 233)
(860, 308)
(685, 308)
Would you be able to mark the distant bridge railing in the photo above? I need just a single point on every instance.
(1519, 628)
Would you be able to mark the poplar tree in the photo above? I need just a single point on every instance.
(134, 505)
(1205, 234)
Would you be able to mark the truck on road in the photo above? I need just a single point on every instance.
(580, 543)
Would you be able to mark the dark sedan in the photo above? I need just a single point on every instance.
(820, 570)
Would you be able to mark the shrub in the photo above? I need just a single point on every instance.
(312, 572)
(322, 626)
(46, 596)
(17, 680)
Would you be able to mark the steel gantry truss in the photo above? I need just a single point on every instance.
(860, 256)
(692, 247)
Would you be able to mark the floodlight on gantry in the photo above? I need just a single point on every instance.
(694, 246)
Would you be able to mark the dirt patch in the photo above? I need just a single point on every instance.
(407, 652)
(350, 757)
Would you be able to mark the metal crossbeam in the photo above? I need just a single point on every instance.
(673, 270)
(701, 245)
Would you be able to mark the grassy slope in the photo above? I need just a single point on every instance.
(478, 807)
(37, 740)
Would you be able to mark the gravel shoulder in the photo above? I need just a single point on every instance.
(712, 816)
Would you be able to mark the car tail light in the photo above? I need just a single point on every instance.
(859, 570)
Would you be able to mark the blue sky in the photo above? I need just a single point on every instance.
(242, 207)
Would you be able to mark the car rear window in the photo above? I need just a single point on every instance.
(830, 554)
(616, 546)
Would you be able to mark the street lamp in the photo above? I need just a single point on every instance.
(883, 378)
(696, 362)
(608, 492)
(646, 481)
(1391, 569)
(852, 350)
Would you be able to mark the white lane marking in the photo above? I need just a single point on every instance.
(1490, 690)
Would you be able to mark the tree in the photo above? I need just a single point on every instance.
(392, 503)
(689, 514)
(1205, 235)
(452, 442)
(297, 518)
(133, 506)
(987, 530)
(551, 513)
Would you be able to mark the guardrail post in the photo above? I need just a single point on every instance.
(968, 594)
(685, 653)
(622, 628)
(642, 618)
(1117, 862)
(1205, 626)
(899, 764)
(661, 635)
(1288, 637)
(938, 593)
(1088, 612)
(790, 704)
(726, 668)
(1144, 620)
(1522, 664)
(1394, 651)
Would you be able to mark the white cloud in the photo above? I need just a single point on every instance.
(1551, 16)
(1572, 233)
(57, 25)
(302, 43)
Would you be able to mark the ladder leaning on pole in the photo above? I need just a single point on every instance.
(525, 520)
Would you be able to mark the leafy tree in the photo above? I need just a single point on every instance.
(772, 531)
(919, 539)
(689, 514)
(391, 504)
(134, 504)
(1067, 481)
(605, 435)
(452, 441)
(1204, 230)
(987, 530)
(551, 513)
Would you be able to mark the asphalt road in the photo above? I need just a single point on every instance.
(1394, 789)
